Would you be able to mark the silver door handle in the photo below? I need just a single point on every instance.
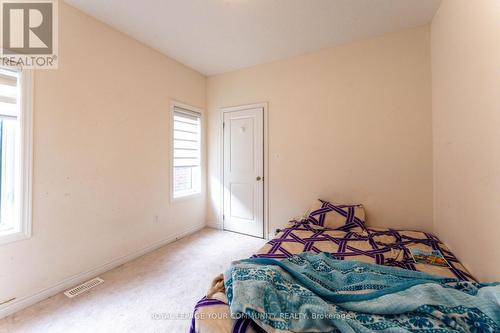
(258, 178)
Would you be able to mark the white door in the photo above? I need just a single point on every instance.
(244, 171)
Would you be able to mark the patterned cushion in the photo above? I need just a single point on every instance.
(337, 216)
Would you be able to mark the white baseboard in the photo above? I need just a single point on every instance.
(74, 280)
(215, 225)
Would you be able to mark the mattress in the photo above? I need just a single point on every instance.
(387, 247)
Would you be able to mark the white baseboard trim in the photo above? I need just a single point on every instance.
(74, 280)
(215, 225)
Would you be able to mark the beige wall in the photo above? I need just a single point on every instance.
(351, 123)
(466, 121)
(101, 156)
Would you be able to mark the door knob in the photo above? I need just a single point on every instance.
(258, 178)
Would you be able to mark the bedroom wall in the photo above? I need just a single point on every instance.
(350, 123)
(466, 124)
(101, 157)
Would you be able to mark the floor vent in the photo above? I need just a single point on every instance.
(83, 287)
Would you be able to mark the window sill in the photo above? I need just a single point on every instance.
(185, 197)
(10, 237)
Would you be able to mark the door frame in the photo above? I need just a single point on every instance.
(224, 110)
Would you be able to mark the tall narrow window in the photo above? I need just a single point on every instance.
(15, 154)
(186, 167)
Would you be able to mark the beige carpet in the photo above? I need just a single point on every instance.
(167, 281)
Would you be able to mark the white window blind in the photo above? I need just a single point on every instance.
(9, 150)
(187, 154)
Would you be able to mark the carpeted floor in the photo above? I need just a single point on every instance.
(169, 280)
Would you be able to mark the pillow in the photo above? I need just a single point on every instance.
(337, 216)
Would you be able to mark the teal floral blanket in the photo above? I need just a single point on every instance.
(316, 293)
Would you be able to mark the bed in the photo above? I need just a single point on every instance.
(352, 241)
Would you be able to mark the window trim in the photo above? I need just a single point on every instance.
(175, 104)
(26, 160)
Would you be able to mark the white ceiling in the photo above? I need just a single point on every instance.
(215, 36)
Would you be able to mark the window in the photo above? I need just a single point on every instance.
(15, 154)
(186, 169)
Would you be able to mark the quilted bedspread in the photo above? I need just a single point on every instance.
(387, 247)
